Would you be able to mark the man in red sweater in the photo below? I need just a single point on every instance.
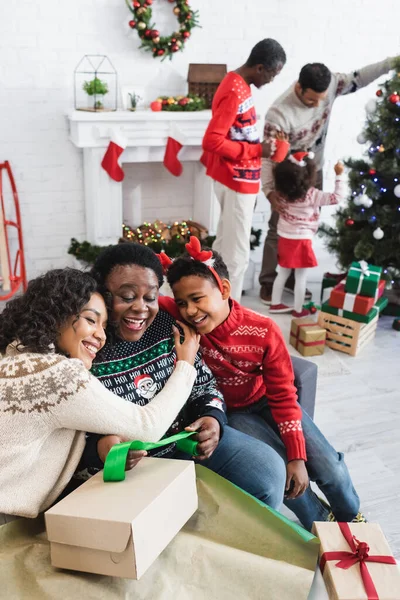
(248, 356)
(232, 154)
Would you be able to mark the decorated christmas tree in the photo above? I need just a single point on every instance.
(368, 228)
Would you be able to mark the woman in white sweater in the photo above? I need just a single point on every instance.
(48, 399)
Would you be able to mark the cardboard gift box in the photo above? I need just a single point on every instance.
(353, 316)
(363, 279)
(120, 528)
(356, 562)
(361, 305)
(307, 337)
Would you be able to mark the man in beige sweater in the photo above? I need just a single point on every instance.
(303, 112)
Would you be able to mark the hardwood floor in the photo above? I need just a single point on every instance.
(358, 409)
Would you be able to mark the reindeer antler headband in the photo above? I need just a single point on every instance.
(204, 256)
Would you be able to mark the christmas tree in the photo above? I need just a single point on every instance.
(368, 228)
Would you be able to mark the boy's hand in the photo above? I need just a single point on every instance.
(275, 200)
(208, 430)
(105, 444)
(339, 168)
(296, 472)
(281, 135)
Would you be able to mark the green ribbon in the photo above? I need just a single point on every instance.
(114, 467)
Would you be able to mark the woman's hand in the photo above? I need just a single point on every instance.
(105, 444)
(208, 433)
(296, 479)
(187, 349)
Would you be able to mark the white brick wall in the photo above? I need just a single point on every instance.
(41, 43)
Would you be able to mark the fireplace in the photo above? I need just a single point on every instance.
(108, 203)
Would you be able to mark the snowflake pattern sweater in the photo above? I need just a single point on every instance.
(47, 403)
(307, 127)
(232, 149)
(249, 359)
(137, 371)
(299, 220)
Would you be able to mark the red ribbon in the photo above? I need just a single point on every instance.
(359, 554)
(307, 344)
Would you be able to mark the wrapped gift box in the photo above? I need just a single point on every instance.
(354, 302)
(329, 280)
(121, 528)
(307, 337)
(346, 580)
(363, 279)
(379, 305)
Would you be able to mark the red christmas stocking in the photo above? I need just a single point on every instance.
(174, 144)
(110, 160)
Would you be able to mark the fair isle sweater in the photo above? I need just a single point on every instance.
(307, 127)
(137, 371)
(231, 144)
(47, 403)
(299, 220)
(249, 359)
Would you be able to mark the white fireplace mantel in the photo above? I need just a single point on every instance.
(147, 134)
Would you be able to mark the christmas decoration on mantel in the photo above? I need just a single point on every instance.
(189, 103)
(160, 237)
(162, 46)
(368, 228)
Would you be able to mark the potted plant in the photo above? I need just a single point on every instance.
(96, 88)
(133, 99)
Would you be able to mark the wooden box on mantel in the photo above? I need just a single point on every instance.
(204, 79)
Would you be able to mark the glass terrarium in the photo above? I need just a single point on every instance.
(95, 84)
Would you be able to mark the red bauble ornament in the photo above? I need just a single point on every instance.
(132, 24)
(349, 222)
(147, 33)
(149, 2)
(156, 106)
(186, 34)
(313, 310)
(183, 101)
(394, 98)
(136, 4)
(160, 52)
(154, 33)
(379, 93)
(173, 40)
(372, 172)
(174, 48)
(164, 102)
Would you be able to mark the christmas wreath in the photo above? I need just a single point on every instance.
(162, 46)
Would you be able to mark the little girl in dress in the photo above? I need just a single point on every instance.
(298, 222)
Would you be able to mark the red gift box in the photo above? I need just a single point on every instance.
(354, 302)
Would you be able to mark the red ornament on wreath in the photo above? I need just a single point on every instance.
(150, 38)
(349, 222)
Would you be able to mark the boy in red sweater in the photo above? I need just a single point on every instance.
(248, 356)
(232, 154)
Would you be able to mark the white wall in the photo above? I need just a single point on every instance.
(41, 43)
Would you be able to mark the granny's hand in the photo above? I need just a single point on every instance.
(105, 444)
(208, 434)
(296, 472)
(275, 200)
(339, 168)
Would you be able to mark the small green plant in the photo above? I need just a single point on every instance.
(134, 99)
(96, 87)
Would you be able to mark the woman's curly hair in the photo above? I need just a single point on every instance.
(34, 319)
(293, 181)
